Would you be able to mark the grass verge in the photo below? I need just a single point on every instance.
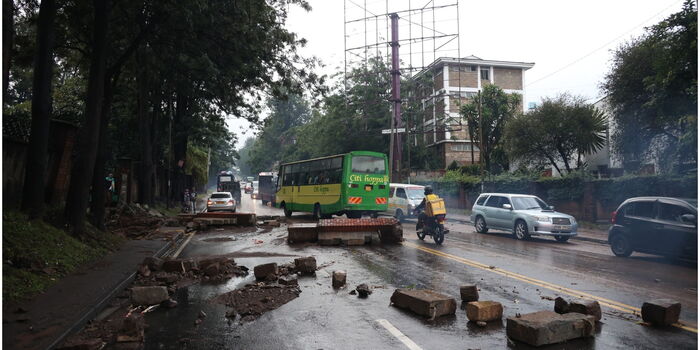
(36, 254)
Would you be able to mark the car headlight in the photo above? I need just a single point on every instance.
(542, 218)
(573, 220)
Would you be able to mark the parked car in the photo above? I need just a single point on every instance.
(403, 199)
(523, 215)
(655, 225)
(254, 193)
(221, 201)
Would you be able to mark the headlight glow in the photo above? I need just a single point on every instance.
(542, 218)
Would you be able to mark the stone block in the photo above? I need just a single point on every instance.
(339, 278)
(262, 271)
(289, 280)
(661, 312)
(149, 295)
(173, 266)
(586, 307)
(153, 263)
(469, 293)
(484, 311)
(300, 233)
(548, 327)
(273, 223)
(424, 302)
(306, 265)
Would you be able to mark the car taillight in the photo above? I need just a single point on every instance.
(613, 217)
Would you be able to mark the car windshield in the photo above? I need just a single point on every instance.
(221, 195)
(414, 193)
(525, 203)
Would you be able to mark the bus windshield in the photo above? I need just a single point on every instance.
(368, 165)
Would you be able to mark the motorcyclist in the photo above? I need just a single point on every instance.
(428, 192)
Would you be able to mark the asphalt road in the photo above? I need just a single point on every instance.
(523, 276)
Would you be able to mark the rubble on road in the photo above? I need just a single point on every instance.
(363, 290)
(548, 327)
(149, 295)
(177, 273)
(288, 280)
(484, 311)
(132, 329)
(264, 271)
(339, 279)
(661, 312)
(586, 307)
(469, 293)
(424, 302)
(306, 265)
(346, 231)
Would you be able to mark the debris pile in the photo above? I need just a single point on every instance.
(135, 221)
(177, 273)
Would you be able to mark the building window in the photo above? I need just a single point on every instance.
(472, 68)
(463, 147)
(485, 74)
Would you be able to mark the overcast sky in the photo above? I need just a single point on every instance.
(570, 42)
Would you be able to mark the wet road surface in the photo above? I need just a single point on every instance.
(523, 276)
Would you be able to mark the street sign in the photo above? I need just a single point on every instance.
(388, 131)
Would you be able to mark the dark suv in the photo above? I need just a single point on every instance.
(656, 225)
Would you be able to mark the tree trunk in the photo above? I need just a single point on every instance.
(84, 165)
(8, 37)
(180, 146)
(99, 193)
(145, 124)
(33, 196)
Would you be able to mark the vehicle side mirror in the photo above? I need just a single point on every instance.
(507, 206)
(689, 218)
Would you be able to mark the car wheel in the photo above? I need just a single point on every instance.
(521, 231)
(621, 246)
(561, 238)
(480, 225)
(287, 212)
(439, 235)
(317, 212)
(399, 215)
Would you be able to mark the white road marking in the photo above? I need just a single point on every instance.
(400, 336)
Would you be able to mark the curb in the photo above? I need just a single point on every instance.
(94, 310)
(588, 239)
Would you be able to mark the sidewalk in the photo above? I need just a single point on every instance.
(66, 306)
(584, 234)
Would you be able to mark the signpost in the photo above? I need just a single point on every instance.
(398, 130)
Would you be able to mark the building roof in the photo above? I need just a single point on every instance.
(474, 60)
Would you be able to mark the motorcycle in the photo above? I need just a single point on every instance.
(433, 226)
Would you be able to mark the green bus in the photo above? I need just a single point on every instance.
(353, 183)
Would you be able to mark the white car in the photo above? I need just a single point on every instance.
(404, 198)
(221, 201)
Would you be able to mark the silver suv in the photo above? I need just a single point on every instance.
(523, 215)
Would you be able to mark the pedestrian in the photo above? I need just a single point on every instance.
(193, 200)
(186, 201)
(110, 187)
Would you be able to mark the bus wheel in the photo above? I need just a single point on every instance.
(317, 212)
(287, 213)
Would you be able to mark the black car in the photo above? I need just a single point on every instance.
(656, 225)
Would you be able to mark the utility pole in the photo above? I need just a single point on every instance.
(396, 146)
(481, 142)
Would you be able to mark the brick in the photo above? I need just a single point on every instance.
(484, 311)
(661, 312)
(300, 233)
(306, 265)
(586, 307)
(339, 278)
(149, 295)
(424, 302)
(548, 327)
(469, 293)
(263, 271)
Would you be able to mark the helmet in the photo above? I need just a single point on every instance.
(428, 190)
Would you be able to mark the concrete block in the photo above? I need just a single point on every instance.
(424, 302)
(173, 266)
(306, 265)
(353, 242)
(469, 293)
(300, 233)
(586, 307)
(548, 327)
(289, 280)
(273, 223)
(262, 271)
(149, 295)
(661, 312)
(484, 311)
(339, 278)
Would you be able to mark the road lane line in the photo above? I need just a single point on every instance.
(571, 292)
(400, 336)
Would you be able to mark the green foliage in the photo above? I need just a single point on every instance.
(36, 254)
(197, 164)
(471, 169)
(561, 129)
(652, 89)
(453, 165)
(615, 191)
(486, 116)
